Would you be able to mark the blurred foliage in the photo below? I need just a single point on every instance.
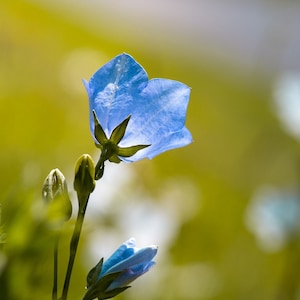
(238, 147)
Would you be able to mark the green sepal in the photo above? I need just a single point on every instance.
(104, 282)
(109, 146)
(99, 146)
(99, 133)
(118, 133)
(114, 159)
(129, 151)
(93, 274)
(114, 292)
(98, 289)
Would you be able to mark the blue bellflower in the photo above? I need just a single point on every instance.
(126, 264)
(131, 261)
(152, 112)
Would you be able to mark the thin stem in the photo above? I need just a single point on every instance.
(99, 169)
(74, 245)
(55, 264)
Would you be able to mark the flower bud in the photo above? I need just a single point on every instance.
(84, 182)
(55, 193)
(110, 278)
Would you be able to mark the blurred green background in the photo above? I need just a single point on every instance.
(201, 204)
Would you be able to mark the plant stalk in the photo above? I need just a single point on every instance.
(74, 245)
(55, 268)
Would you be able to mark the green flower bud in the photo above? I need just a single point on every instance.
(55, 193)
(84, 182)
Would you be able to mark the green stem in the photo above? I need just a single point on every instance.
(99, 169)
(74, 245)
(55, 264)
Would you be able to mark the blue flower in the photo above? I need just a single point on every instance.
(120, 91)
(126, 264)
(131, 261)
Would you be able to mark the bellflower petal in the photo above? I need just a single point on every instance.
(123, 252)
(157, 107)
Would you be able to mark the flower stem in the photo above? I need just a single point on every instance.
(74, 245)
(55, 264)
(99, 169)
